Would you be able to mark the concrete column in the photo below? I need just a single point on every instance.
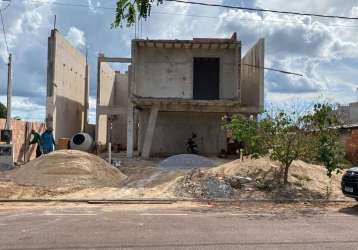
(98, 103)
(139, 134)
(236, 74)
(130, 131)
(148, 139)
(130, 116)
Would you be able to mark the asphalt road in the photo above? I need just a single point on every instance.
(172, 227)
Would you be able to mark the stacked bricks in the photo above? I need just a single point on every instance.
(21, 135)
(352, 147)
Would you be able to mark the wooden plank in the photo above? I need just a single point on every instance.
(178, 45)
(159, 45)
(148, 139)
(205, 46)
(168, 45)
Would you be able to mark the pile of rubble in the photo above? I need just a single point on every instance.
(201, 185)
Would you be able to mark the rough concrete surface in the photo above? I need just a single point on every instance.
(66, 87)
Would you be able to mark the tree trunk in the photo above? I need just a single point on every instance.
(285, 177)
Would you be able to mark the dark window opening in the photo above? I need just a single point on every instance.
(206, 78)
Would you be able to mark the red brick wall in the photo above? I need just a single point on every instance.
(21, 133)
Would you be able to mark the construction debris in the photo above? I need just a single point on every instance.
(69, 169)
(205, 185)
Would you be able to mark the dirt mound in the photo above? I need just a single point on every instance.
(259, 179)
(306, 180)
(69, 169)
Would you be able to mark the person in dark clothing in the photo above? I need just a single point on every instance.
(36, 140)
(192, 147)
(47, 141)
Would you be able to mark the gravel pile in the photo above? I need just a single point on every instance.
(186, 161)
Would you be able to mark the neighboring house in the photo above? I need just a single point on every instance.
(348, 114)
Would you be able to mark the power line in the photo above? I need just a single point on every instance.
(272, 69)
(110, 8)
(7, 6)
(264, 10)
(182, 14)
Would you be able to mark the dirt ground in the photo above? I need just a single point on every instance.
(145, 180)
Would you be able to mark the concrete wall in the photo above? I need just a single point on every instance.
(168, 73)
(66, 87)
(105, 97)
(174, 128)
(252, 76)
(119, 132)
(353, 112)
(21, 136)
(348, 114)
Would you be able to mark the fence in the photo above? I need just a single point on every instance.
(21, 135)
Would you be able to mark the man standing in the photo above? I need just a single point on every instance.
(47, 141)
(36, 140)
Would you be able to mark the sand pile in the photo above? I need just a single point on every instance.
(69, 169)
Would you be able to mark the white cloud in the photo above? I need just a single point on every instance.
(76, 37)
(324, 52)
(297, 44)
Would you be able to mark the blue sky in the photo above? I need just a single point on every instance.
(325, 51)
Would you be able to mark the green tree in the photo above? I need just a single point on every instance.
(246, 130)
(287, 141)
(281, 136)
(324, 123)
(3, 111)
(130, 10)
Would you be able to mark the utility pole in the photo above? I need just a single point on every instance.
(110, 119)
(9, 93)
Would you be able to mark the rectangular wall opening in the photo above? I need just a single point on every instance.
(206, 78)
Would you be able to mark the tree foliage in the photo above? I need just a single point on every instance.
(128, 11)
(246, 131)
(3, 111)
(286, 137)
(323, 120)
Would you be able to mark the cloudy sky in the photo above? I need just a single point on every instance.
(325, 51)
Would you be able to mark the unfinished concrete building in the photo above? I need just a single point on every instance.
(112, 105)
(67, 87)
(180, 87)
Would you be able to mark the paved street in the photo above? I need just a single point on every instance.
(83, 226)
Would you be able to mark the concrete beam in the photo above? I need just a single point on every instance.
(176, 105)
(115, 59)
(148, 140)
(111, 110)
